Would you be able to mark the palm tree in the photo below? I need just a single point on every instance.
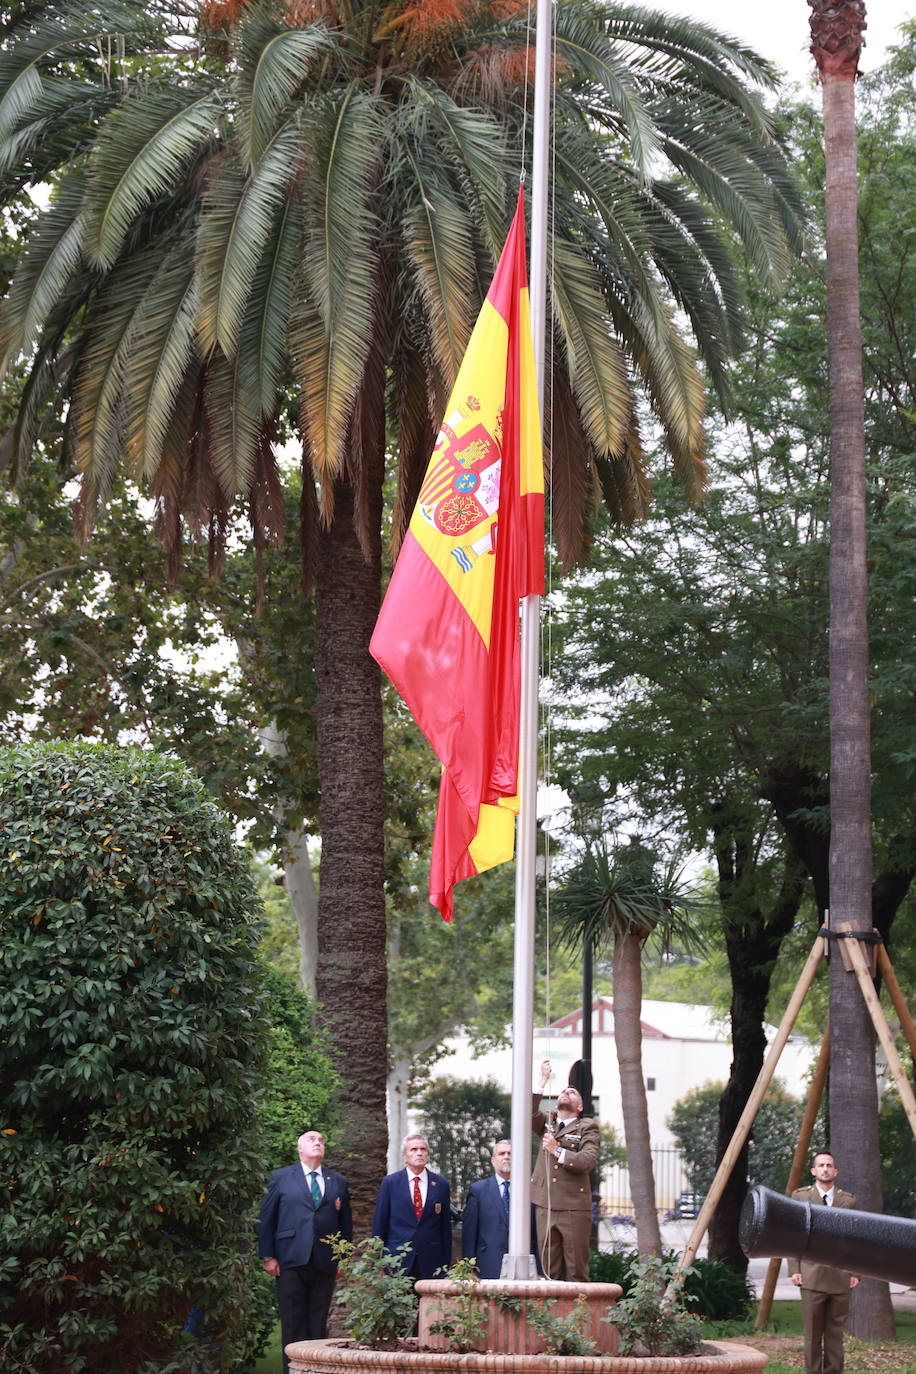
(310, 202)
(837, 28)
(619, 898)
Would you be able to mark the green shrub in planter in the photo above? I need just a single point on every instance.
(132, 1050)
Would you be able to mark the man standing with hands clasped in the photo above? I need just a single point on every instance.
(824, 1291)
(303, 1204)
(560, 1188)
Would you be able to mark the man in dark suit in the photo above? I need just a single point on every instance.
(824, 1291)
(413, 1207)
(303, 1204)
(485, 1222)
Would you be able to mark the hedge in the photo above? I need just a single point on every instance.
(132, 1053)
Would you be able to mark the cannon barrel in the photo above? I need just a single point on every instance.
(872, 1243)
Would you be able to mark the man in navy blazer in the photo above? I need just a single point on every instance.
(485, 1223)
(303, 1204)
(414, 1208)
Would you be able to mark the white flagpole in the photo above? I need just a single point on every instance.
(518, 1262)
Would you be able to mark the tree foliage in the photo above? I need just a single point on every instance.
(300, 1085)
(708, 719)
(132, 1054)
(694, 1124)
(462, 1120)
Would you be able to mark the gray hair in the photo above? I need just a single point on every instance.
(413, 1136)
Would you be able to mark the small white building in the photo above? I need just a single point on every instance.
(684, 1046)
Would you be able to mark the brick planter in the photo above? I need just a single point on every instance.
(509, 1347)
(336, 1357)
(508, 1332)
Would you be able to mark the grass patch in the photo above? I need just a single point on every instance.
(782, 1342)
(270, 1363)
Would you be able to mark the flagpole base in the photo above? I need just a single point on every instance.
(518, 1267)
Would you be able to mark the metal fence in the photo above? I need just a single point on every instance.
(670, 1184)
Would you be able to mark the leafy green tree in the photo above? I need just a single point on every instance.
(898, 1156)
(462, 1120)
(132, 1053)
(300, 1086)
(694, 1124)
(260, 210)
(711, 722)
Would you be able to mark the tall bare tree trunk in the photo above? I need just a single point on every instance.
(352, 982)
(837, 33)
(628, 1041)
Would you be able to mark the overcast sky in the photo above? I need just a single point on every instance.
(779, 28)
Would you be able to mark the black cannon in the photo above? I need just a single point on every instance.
(863, 1242)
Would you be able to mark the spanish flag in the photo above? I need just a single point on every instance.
(448, 631)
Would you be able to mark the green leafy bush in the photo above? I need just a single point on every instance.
(563, 1335)
(132, 1049)
(715, 1290)
(378, 1297)
(465, 1324)
(647, 1322)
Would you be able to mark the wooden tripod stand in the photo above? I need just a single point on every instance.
(863, 965)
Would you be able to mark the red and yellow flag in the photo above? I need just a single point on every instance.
(448, 631)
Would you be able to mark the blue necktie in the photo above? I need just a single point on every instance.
(505, 1188)
(316, 1191)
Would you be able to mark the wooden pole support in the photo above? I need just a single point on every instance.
(818, 1082)
(746, 1120)
(879, 1021)
(893, 987)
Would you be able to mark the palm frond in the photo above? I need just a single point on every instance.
(144, 148)
(98, 393)
(160, 348)
(273, 62)
(613, 893)
(582, 43)
(52, 38)
(596, 369)
(412, 415)
(233, 418)
(330, 338)
(438, 245)
(52, 257)
(569, 473)
(471, 142)
(238, 223)
(59, 127)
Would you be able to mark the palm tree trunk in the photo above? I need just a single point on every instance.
(628, 1040)
(351, 982)
(836, 27)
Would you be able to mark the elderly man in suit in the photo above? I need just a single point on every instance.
(485, 1222)
(414, 1208)
(560, 1188)
(824, 1291)
(304, 1203)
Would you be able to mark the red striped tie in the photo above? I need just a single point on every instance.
(417, 1200)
